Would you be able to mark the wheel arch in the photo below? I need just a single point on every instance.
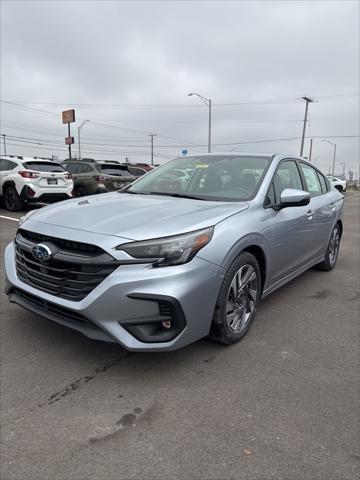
(259, 254)
(258, 246)
(340, 223)
(7, 184)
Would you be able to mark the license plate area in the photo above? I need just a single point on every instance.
(52, 181)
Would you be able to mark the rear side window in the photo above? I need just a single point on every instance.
(71, 167)
(43, 166)
(85, 168)
(311, 178)
(3, 164)
(323, 184)
(11, 165)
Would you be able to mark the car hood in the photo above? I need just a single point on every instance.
(136, 217)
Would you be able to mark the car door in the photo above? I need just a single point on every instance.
(322, 205)
(292, 246)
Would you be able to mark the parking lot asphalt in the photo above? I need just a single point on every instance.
(281, 404)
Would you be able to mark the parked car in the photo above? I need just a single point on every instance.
(337, 182)
(161, 264)
(98, 176)
(136, 171)
(25, 180)
(144, 166)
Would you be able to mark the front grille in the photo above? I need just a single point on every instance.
(73, 271)
(68, 245)
(40, 304)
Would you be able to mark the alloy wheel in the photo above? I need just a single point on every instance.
(10, 199)
(334, 246)
(241, 298)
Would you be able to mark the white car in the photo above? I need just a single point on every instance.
(337, 183)
(24, 180)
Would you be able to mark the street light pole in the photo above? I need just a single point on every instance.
(4, 136)
(334, 155)
(152, 135)
(207, 102)
(79, 129)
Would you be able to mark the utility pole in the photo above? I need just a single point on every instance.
(307, 100)
(311, 144)
(4, 136)
(152, 135)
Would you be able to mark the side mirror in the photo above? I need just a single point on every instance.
(291, 197)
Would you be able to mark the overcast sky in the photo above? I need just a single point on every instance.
(128, 68)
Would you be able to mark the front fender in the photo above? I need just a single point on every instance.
(246, 229)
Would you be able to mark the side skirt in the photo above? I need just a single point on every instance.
(291, 276)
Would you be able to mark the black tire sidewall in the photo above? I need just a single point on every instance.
(18, 203)
(82, 190)
(220, 331)
(326, 264)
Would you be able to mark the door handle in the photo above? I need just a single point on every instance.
(309, 214)
(333, 205)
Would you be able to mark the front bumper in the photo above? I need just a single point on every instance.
(129, 296)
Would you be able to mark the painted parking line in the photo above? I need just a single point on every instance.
(9, 218)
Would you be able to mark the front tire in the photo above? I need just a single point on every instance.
(237, 301)
(12, 201)
(332, 251)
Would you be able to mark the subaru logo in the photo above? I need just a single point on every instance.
(41, 252)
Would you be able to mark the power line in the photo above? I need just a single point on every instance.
(91, 144)
(251, 102)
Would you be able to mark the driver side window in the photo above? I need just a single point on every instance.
(286, 176)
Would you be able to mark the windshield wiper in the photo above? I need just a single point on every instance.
(178, 195)
(134, 193)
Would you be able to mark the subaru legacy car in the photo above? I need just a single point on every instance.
(163, 262)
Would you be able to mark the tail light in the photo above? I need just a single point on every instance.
(28, 174)
(100, 178)
(68, 176)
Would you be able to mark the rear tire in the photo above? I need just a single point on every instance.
(237, 301)
(80, 192)
(12, 201)
(332, 251)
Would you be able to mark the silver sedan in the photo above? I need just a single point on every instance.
(165, 261)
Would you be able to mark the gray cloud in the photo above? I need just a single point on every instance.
(146, 53)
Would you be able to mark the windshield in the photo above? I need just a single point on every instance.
(114, 170)
(221, 178)
(43, 166)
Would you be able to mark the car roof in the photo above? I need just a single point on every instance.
(28, 159)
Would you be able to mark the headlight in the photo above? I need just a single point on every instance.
(25, 217)
(167, 251)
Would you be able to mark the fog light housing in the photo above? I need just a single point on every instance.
(161, 328)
